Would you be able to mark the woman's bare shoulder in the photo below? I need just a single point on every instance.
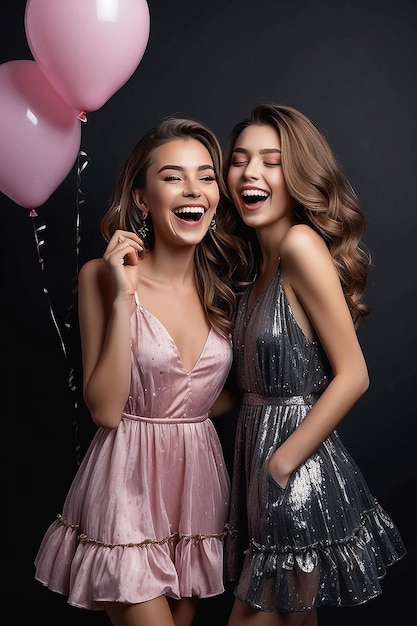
(303, 249)
(300, 237)
(92, 270)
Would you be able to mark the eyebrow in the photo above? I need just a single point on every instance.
(263, 151)
(179, 168)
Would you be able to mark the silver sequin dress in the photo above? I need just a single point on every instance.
(323, 540)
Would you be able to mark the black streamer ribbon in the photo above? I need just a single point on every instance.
(82, 162)
(39, 243)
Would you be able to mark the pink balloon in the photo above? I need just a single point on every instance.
(40, 135)
(87, 49)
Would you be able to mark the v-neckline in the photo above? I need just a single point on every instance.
(168, 334)
(249, 310)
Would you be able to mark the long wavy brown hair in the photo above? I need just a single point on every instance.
(219, 257)
(324, 198)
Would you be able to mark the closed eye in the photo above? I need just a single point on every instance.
(238, 163)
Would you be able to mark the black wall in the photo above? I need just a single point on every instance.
(351, 67)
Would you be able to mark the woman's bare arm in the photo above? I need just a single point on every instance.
(106, 302)
(311, 275)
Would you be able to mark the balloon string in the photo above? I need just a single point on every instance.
(82, 162)
(39, 243)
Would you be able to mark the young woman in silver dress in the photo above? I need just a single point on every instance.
(304, 529)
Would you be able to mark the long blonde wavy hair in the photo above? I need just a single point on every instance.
(324, 198)
(219, 257)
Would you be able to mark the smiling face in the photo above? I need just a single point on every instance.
(181, 192)
(255, 178)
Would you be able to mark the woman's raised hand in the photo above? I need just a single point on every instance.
(121, 256)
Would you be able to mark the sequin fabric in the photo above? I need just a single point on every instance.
(324, 539)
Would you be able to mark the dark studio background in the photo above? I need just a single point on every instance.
(351, 67)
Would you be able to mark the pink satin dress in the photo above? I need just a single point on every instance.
(146, 512)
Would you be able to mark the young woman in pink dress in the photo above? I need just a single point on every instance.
(141, 531)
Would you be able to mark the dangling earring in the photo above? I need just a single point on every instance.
(143, 230)
(213, 224)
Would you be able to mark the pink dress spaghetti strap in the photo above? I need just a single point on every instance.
(146, 512)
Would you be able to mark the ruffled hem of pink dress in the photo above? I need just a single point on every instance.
(90, 573)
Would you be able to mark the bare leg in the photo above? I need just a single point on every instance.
(244, 615)
(183, 610)
(152, 613)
